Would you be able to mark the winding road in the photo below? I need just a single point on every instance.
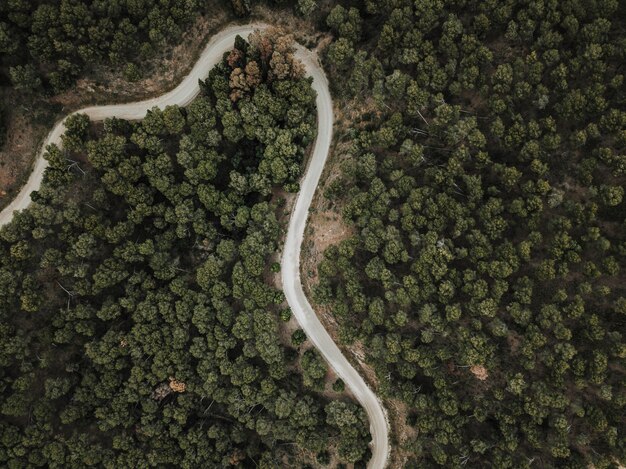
(182, 95)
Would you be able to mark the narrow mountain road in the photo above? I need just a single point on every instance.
(182, 95)
(290, 268)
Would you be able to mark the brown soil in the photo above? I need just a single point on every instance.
(514, 342)
(161, 73)
(403, 434)
(324, 229)
(17, 154)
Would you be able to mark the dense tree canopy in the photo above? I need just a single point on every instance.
(483, 172)
(485, 178)
(138, 328)
(55, 40)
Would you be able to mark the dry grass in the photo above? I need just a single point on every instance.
(329, 229)
(102, 84)
(302, 29)
(161, 73)
(17, 155)
(403, 433)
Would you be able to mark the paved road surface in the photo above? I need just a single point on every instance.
(182, 95)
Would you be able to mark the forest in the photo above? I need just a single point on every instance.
(479, 167)
(139, 328)
(46, 45)
(484, 181)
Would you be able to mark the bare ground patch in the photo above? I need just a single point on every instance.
(403, 435)
(327, 228)
(302, 29)
(17, 155)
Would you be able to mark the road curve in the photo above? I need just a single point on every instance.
(182, 95)
(290, 268)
